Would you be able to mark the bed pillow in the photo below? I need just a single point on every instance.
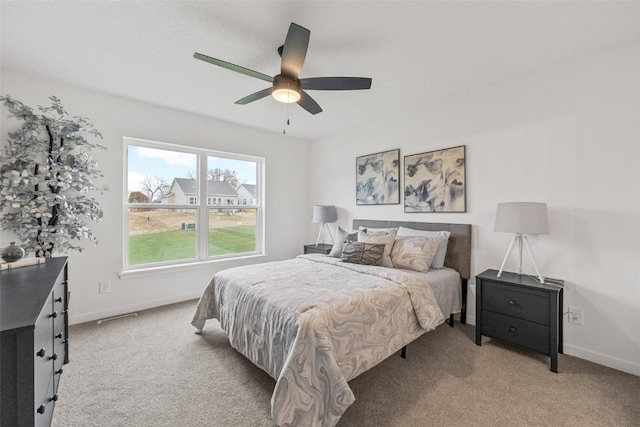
(438, 259)
(371, 230)
(341, 237)
(414, 252)
(363, 253)
(385, 238)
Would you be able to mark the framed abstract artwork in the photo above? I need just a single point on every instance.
(435, 181)
(377, 178)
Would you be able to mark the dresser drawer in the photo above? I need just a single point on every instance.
(43, 411)
(43, 351)
(527, 305)
(57, 365)
(516, 331)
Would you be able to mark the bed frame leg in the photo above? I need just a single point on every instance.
(403, 352)
(451, 320)
(463, 309)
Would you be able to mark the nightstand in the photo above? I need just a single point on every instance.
(322, 248)
(519, 310)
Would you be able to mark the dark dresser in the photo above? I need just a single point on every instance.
(520, 310)
(34, 328)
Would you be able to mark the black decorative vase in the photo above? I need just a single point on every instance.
(12, 253)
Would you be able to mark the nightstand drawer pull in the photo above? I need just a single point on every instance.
(512, 329)
(512, 302)
(41, 352)
(41, 409)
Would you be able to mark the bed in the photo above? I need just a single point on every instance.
(315, 322)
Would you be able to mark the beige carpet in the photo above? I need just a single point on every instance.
(152, 370)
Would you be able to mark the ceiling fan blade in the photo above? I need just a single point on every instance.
(335, 83)
(294, 50)
(255, 96)
(233, 67)
(308, 103)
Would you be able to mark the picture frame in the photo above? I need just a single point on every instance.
(378, 178)
(435, 181)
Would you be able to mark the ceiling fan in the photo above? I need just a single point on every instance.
(287, 87)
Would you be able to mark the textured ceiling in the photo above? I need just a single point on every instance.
(415, 51)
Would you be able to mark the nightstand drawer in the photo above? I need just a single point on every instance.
(516, 331)
(527, 305)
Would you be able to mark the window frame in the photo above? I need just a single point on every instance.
(202, 210)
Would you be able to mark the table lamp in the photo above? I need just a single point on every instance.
(324, 214)
(521, 218)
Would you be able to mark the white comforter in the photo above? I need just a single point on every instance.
(313, 323)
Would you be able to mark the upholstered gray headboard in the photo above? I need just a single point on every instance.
(458, 251)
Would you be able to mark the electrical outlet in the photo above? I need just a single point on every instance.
(104, 286)
(575, 315)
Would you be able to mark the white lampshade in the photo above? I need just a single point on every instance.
(522, 217)
(323, 214)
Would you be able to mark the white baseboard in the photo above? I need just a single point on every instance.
(471, 320)
(117, 311)
(602, 359)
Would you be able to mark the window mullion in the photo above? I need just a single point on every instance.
(203, 222)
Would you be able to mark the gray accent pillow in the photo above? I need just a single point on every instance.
(363, 253)
(414, 253)
(438, 259)
(387, 238)
(341, 237)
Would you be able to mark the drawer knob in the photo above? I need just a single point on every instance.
(54, 314)
(41, 352)
(54, 357)
(59, 299)
(512, 302)
(512, 329)
(59, 335)
(41, 409)
(54, 398)
(59, 371)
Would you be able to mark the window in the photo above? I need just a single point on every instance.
(172, 227)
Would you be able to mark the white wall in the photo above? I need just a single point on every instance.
(568, 136)
(287, 202)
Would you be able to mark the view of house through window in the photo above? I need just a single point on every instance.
(166, 221)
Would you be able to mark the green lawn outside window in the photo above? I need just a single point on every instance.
(181, 244)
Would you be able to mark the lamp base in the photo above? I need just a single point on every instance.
(520, 239)
(321, 233)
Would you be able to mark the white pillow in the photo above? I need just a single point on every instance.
(438, 259)
(379, 237)
(414, 252)
(338, 245)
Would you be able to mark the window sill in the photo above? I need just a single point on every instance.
(176, 268)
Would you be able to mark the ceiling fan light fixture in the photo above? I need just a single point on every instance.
(286, 89)
(286, 95)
